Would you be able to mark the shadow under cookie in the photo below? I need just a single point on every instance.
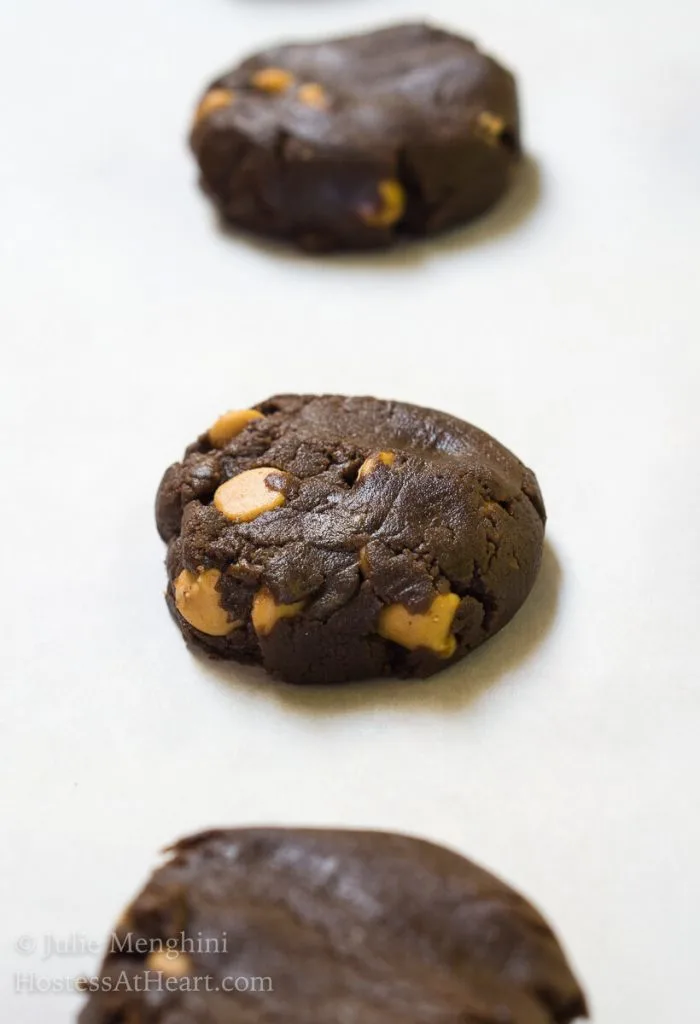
(459, 686)
(507, 215)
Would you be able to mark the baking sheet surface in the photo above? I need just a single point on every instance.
(563, 755)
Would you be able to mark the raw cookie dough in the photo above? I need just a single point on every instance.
(334, 538)
(275, 926)
(353, 142)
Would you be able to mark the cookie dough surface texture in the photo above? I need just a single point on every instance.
(333, 538)
(334, 927)
(353, 142)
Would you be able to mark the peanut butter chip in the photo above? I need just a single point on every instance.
(248, 495)
(272, 80)
(231, 424)
(267, 612)
(363, 561)
(197, 600)
(430, 629)
(490, 127)
(215, 99)
(370, 464)
(170, 962)
(390, 206)
(311, 94)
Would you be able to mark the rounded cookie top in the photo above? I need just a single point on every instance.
(348, 142)
(334, 926)
(335, 538)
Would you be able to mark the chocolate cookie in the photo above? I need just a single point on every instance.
(340, 538)
(351, 143)
(270, 926)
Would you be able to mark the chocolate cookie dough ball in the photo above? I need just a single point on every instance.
(351, 143)
(333, 538)
(275, 926)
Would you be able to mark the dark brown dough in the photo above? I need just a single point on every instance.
(299, 142)
(324, 927)
(454, 514)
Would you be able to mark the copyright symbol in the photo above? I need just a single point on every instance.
(25, 945)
